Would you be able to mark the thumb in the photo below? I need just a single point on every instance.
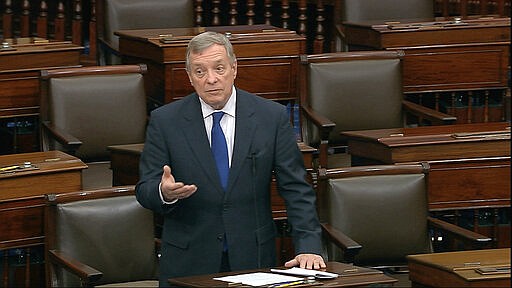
(167, 176)
(291, 263)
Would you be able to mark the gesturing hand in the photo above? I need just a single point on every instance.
(172, 190)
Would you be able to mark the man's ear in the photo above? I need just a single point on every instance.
(189, 78)
(235, 66)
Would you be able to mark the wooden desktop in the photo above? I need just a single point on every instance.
(349, 277)
(21, 59)
(267, 59)
(22, 201)
(459, 269)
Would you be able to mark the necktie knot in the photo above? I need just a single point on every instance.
(217, 116)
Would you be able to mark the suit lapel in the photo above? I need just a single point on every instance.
(195, 134)
(244, 132)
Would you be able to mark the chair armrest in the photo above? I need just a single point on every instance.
(86, 273)
(350, 247)
(106, 45)
(320, 121)
(325, 127)
(69, 141)
(468, 236)
(437, 118)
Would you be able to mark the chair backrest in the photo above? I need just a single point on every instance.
(384, 208)
(389, 10)
(356, 90)
(99, 105)
(106, 229)
(147, 14)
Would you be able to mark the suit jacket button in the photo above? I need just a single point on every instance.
(226, 206)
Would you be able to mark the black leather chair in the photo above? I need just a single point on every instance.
(374, 216)
(100, 237)
(86, 109)
(114, 15)
(347, 91)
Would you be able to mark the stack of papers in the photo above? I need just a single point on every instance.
(264, 279)
(259, 279)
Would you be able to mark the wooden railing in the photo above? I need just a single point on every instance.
(75, 20)
(467, 8)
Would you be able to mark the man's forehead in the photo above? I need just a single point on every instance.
(214, 59)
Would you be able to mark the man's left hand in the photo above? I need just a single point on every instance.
(308, 261)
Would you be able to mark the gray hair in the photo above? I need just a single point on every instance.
(206, 39)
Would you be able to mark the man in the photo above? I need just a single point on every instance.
(213, 225)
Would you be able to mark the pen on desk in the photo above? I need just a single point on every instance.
(288, 284)
(8, 168)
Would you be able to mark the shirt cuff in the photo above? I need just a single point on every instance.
(162, 196)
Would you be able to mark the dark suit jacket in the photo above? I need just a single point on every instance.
(194, 227)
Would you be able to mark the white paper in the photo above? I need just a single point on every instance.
(305, 272)
(258, 278)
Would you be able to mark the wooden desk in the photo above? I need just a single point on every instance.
(19, 87)
(22, 200)
(442, 55)
(267, 59)
(457, 269)
(335, 267)
(471, 171)
(431, 142)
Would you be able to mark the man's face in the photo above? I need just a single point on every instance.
(212, 75)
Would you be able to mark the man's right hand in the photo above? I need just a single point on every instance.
(172, 190)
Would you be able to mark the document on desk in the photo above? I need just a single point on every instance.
(259, 279)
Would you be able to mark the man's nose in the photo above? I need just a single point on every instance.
(211, 77)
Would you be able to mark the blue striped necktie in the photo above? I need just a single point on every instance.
(220, 149)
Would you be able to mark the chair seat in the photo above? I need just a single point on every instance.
(339, 160)
(97, 175)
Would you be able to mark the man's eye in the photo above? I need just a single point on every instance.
(220, 70)
(199, 73)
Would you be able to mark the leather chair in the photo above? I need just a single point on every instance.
(347, 91)
(100, 237)
(114, 15)
(374, 216)
(84, 110)
(378, 11)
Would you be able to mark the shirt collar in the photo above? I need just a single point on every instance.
(229, 108)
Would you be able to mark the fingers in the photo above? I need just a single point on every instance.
(308, 261)
(173, 190)
(183, 191)
(291, 263)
